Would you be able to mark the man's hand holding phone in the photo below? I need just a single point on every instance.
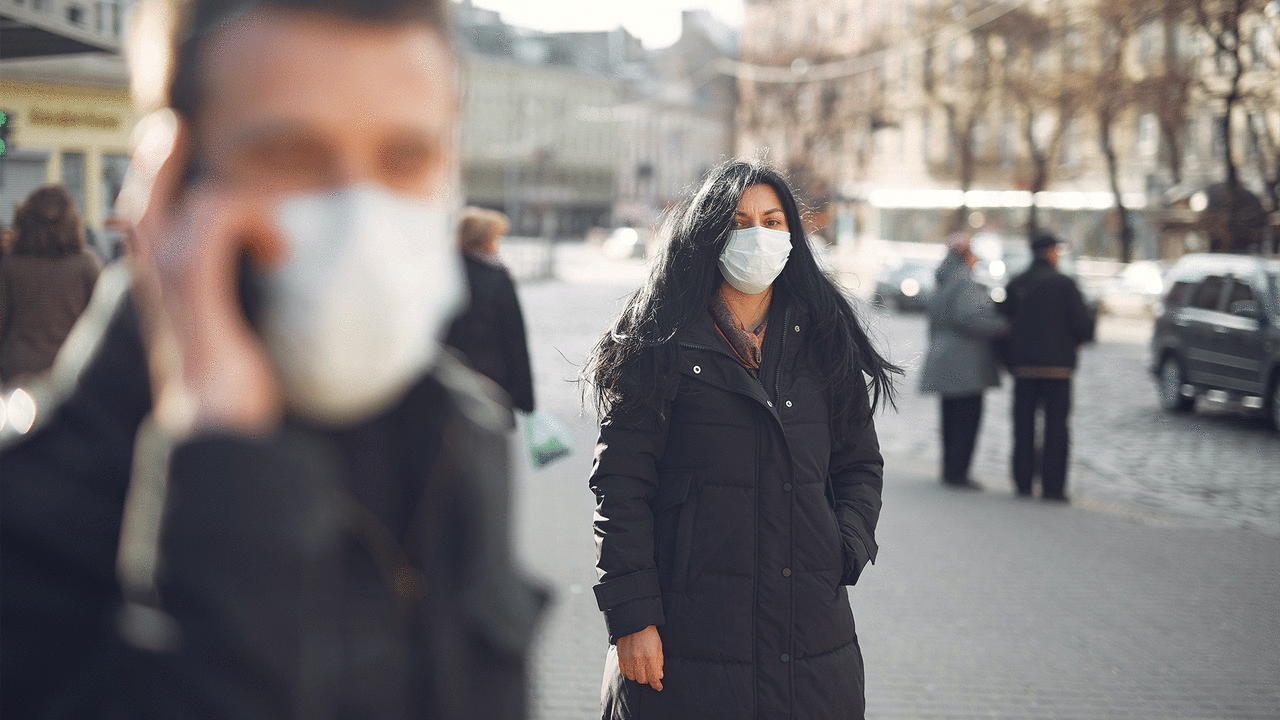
(209, 370)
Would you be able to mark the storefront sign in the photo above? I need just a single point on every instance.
(72, 119)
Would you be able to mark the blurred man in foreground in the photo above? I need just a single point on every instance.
(309, 496)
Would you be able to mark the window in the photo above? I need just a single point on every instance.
(1179, 295)
(73, 178)
(114, 166)
(1239, 292)
(1209, 293)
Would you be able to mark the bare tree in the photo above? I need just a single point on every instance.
(1041, 81)
(1224, 23)
(962, 90)
(1113, 91)
(1264, 122)
(822, 127)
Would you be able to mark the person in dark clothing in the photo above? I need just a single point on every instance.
(45, 283)
(267, 492)
(1049, 321)
(737, 474)
(961, 362)
(490, 333)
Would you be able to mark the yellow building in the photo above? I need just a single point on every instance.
(65, 87)
(77, 136)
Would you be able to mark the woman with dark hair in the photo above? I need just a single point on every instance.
(46, 279)
(737, 474)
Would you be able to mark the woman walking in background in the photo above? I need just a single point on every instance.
(46, 279)
(737, 474)
(491, 332)
(961, 362)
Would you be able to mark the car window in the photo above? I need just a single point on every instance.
(1209, 293)
(1239, 291)
(1180, 294)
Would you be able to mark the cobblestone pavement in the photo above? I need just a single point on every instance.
(1218, 467)
(1144, 599)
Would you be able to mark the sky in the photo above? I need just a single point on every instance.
(655, 22)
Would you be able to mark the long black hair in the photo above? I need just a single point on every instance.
(625, 366)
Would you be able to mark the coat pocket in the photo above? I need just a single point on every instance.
(673, 509)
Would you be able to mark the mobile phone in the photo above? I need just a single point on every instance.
(249, 284)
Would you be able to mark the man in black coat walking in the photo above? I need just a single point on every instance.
(1049, 322)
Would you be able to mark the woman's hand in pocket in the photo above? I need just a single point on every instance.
(640, 657)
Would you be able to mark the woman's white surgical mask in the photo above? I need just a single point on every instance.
(753, 257)
(354, 316)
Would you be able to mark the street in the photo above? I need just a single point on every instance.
(1155, 594)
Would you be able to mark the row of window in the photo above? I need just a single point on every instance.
(1216, 292)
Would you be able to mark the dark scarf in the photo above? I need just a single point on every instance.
(746, 345)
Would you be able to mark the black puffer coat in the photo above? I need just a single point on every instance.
(731, 520)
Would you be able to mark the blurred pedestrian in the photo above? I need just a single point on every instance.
(335, 534)
(961, 361)
(737, 473)
(1049, 321)
(46, 280)
(490, 333)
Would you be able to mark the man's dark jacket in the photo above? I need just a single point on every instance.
(356, 573)
(491, 335)
(1049, 319)
(731, 518)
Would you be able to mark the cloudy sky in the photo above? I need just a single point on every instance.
(655, 22)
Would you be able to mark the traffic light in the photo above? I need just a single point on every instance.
(6, 126)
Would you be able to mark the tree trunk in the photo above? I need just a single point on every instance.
(1113, 174)
(1171, 118)
(964, 146)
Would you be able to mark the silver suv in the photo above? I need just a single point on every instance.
(1218, 329)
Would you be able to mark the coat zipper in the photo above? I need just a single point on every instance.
(777, 374)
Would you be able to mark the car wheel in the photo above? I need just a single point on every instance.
(1171, 382)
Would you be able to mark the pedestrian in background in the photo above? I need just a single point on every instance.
(1049, 321)
(491, 332)
(335, 535)
(737, 474)
(961, 362)
(46, 279)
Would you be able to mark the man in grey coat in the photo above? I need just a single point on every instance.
(961, 362)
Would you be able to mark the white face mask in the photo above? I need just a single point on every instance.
(753, 258)
(354, 315)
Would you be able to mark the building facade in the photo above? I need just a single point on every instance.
(64, 86)
(566, 132)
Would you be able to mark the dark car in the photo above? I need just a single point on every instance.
(1218, 329)
(906, 284)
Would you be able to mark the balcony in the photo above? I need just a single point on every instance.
(42, 28)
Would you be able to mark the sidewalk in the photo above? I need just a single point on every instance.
(986, 606)
(980, 606)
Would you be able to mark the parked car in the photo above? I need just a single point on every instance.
(906, 284)
(623, 243)
(1218, 329)
(1136, 290)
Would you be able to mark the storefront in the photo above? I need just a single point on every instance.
(70, 135)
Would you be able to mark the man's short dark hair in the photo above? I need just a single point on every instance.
(195, 20)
